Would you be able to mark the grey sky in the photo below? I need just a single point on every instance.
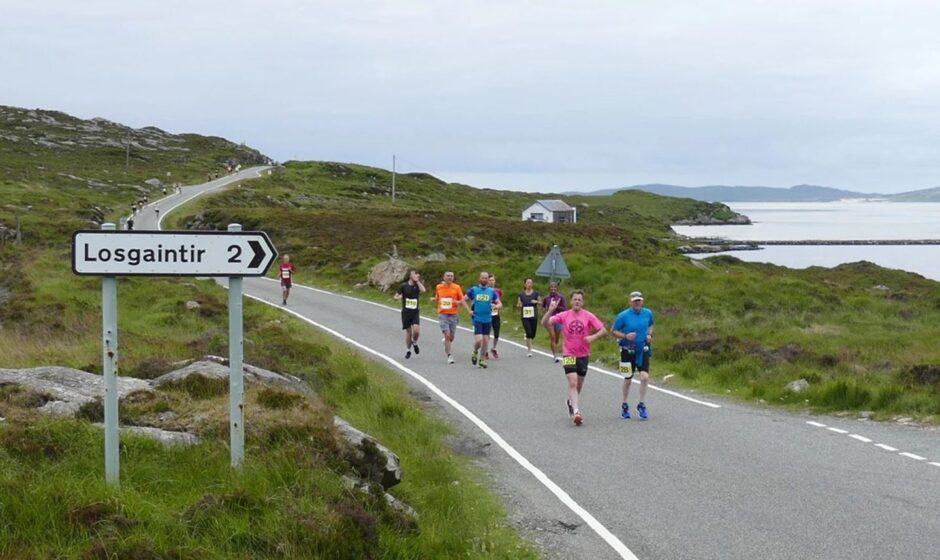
(550, 95)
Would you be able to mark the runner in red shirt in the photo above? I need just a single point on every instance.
(286, 273)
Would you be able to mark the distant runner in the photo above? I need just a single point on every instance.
(634, 327)
(554, 296)
(496, 319)
(448, 295)
(528, 303)
(410, 294)
(480, 301)
(286, 272)
(577, 324)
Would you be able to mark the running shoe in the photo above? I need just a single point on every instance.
(495, 354)
(625, 411)
(529, 355)
(284, 302)
(450, 359)
(473, 357)
(556, 358)
(407, 354)
(570, 410)
(416, 349)
(483, 364)
(578, 418)
(641, 410)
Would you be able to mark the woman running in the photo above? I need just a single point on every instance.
(528, 302)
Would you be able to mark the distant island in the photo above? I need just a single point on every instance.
(798, 193)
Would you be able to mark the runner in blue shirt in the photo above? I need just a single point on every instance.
(634, 327)
(483, 299)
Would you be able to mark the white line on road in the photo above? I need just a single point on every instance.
(512, 342)
(912, 456)
(566, 499)
(838, 430)
(817, 424)
(223, 183)
(862, 439)
(886, 447)
(934, 464)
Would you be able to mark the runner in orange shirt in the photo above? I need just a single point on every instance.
(448, 295)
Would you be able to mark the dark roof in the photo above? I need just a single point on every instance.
(555, 205)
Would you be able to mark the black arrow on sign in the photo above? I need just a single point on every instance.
(259, 254)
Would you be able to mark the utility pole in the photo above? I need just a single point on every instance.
(393, 179)
(127, 153)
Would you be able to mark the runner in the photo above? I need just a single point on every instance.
(577, 324)
(496, 319)
(410, 293)
(554, 296)
(634, 327)
(483, 299)
(447, 295)
(130, 224)
(286, 272)
(528, 302)
(156, 211)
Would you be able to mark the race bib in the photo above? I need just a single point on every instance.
(626, 369)
(447, 303)
(495, 312)
(568, 360)
(528, 312)
(483, 297)
(411, 303)
(285, 273)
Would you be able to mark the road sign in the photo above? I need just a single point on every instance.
(554, 265)
(169, 253)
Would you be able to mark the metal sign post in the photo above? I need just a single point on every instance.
(109, 339)
(236, 385)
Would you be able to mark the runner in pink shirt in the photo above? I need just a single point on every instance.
(577, 325)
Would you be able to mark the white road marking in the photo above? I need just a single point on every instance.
(912, 456)
(563, 496)
(511, 342)
(224, 183)
(862, 439)
(934, 464)
(817, 424)
(838, 430)
(886, 447)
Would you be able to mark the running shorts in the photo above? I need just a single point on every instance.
(410, 317)
(530, 326)
(482, 328)
(575, 365)
(448, 323)
(286, 282)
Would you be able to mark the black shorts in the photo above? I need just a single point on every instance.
(409, 318)
(530, 325)
(629, 364)
(575, 365)
(285, 282)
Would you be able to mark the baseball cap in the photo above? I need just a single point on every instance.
(636, 295)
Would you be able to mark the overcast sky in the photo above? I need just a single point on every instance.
(525, 95)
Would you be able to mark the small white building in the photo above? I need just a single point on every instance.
(550, 211)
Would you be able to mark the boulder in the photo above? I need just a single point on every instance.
(798, 386)
(436, 257)
(391, 469)
(154, 182)
(68, 388)
(166, 437)
(388, 273)
(214, 370)
(191, 305)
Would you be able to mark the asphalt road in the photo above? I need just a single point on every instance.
(704, 478)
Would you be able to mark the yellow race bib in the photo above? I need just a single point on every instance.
(568, 360)
(447, 303)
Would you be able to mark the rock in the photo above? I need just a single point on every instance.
(904, 420)
(798, 386)
(67, 387)
(213, 370)
(391, 470)
(154, 182)
(166, 437)
(436, 257)
(191, 305)
(388, 273)
(880, 290)
(60, 408)
(400, 506)
(866, 414)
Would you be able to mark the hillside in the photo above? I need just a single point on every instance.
(799, 193)
(924, 195)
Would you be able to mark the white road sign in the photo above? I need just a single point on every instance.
(169, 253)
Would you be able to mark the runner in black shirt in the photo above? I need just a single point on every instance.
(410, 295)
(529, 303)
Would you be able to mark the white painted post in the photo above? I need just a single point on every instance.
(109, 337)
(236, 385)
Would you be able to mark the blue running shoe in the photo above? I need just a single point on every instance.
(641, 410)
(625, 411)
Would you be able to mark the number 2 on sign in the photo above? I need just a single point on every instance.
(236, 258)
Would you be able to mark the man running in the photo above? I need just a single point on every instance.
(286, 272)
(410, 293)
(577, 324)
(448, 295)
(528, 302)
(483, 299)
(634, 327)
(554, 296)
(496, 319)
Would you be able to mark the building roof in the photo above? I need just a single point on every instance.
(555, 205)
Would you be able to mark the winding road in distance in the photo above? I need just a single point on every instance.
(703, 478)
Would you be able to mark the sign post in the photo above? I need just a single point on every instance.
(109, 253)
(109, 339)
(236, 385)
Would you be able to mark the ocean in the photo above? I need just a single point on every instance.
(792, 221)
